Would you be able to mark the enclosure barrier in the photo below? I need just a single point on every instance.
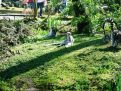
(14, 15)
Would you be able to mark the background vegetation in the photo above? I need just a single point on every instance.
(28, 61)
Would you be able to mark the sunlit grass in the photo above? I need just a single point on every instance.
(87, 65)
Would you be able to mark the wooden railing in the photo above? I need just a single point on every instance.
(14, 15)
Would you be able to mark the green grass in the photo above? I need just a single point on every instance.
(89, 65)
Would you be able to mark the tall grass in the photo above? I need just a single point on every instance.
(118, 86)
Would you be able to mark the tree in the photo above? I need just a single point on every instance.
(35, 8)
(80, 11)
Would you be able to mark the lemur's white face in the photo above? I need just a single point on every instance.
(68, 33)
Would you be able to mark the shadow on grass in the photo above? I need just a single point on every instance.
(110, 49)
(41, 60)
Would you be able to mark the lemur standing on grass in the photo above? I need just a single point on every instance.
(115, 35)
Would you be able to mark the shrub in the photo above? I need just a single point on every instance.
(12, 33)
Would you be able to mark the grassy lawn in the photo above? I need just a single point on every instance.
(89, 65)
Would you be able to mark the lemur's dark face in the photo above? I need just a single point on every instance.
(119, 36)
(115, 35)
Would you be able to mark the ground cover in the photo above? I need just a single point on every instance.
(89, 65)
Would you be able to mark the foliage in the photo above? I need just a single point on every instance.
(4, 87)
(95, 12)
(118, 85)
(12, 33)
(88, 65)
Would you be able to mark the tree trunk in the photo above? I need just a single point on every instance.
(35, 8)
(79, 11)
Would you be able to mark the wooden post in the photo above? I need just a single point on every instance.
(35, 8)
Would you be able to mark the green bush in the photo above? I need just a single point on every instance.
(12, 33)
(118, 85)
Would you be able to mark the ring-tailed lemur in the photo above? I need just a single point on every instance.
(113, 33)
(68, 41)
